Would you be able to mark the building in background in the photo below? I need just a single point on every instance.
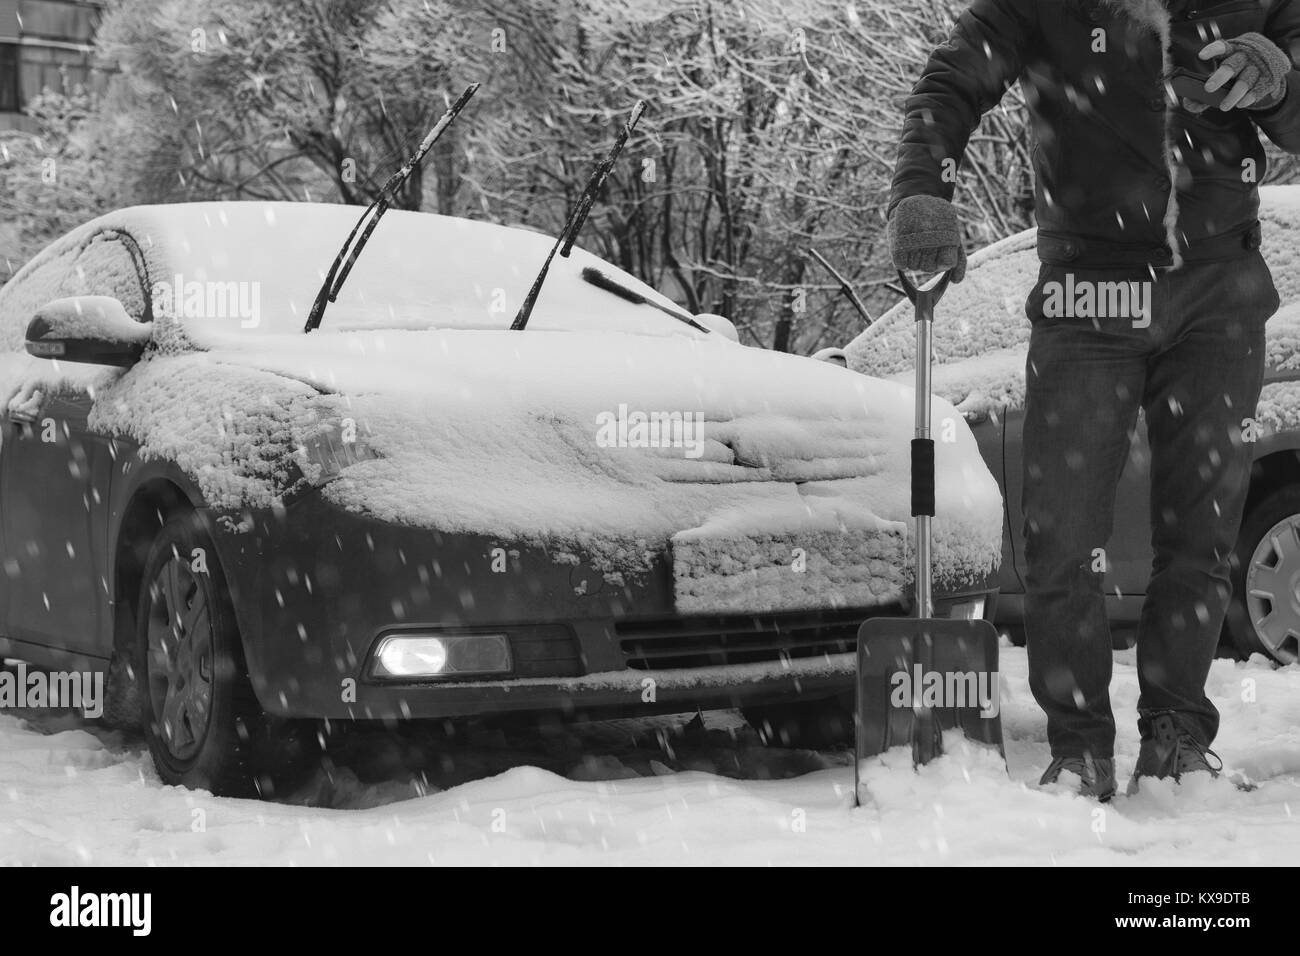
(44, 44)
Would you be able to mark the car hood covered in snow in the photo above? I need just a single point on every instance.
(792, 492)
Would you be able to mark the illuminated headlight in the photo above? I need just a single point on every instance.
(334, 446)
(405, 656)
(971, 609)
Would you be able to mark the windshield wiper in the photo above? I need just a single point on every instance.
(601, 280)
(564, 244)
(845, 287)
(338, 274)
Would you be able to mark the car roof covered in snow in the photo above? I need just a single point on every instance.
(418, 270)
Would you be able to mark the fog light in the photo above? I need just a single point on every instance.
(444, 655)
(968, 610)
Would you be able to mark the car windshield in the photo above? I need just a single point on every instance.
(255, 268)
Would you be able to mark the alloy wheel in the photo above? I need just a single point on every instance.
(1272, 593)
(180, 657)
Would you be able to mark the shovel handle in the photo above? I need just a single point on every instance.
(924, 299)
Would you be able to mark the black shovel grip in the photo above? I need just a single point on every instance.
(922, 476)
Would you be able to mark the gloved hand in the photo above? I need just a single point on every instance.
(925, 236)
(1259, 67)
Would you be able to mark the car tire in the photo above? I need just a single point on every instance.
(200, 716)
(823, 724)
(1264, 613)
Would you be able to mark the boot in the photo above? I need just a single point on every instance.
(1096, 775)
(1170, 752)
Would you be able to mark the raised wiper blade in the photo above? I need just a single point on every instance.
(338, 273)
(845, 286)
(601, 280)
(564, 244)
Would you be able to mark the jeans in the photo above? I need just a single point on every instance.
(1194, 363)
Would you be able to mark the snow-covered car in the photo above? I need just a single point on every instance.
(415, 512)
(981, 338)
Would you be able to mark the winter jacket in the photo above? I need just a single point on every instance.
(1123, 174)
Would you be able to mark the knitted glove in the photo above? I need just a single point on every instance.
(1259, 67)
(925, 236)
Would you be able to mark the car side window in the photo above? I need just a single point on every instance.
(108, 263)
(112, 264)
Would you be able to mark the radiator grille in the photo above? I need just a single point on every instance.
(672, 643)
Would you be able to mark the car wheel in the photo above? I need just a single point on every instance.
(804, 725)
(198, 709)
(1264, 614)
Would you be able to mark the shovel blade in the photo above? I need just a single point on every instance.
(918, 677)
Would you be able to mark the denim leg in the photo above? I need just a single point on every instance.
(1200, 389)
(1084, 384)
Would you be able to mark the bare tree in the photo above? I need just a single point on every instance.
(254, 99)
(50, 181)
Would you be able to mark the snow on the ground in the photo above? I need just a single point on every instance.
(72, 794)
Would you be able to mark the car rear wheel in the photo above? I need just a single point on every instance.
(1264, 614)
(199, 712)
(806, 724)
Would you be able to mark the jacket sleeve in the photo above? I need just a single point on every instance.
(963, 80)
(1282, 123)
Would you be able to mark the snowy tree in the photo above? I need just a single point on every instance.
(52, 180)
(771, 129)
(247, 99)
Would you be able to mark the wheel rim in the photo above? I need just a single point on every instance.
(1273, 590)
(180, 657)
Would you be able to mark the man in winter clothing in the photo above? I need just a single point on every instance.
(1133, 185)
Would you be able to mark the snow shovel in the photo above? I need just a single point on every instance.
(919, 676)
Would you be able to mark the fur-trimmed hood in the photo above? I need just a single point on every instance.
(1153, 14)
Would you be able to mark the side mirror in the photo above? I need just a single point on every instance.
(94, 329)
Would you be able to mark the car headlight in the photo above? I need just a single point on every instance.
(414, 655)
(334, 446)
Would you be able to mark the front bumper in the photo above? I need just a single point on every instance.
(315, 588)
